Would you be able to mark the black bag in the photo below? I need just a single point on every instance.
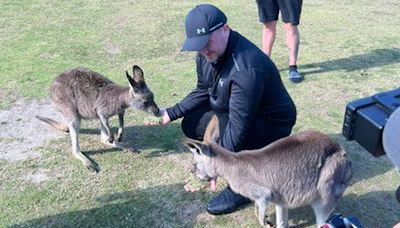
(365, 119)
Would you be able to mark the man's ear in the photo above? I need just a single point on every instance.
(226, 27)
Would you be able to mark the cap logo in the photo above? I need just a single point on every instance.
(200, 31)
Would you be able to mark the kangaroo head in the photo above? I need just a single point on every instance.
(202, 166)
(141, 96)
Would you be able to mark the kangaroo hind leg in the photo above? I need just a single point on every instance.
(73, 126)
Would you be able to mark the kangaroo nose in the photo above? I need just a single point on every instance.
(156, 112)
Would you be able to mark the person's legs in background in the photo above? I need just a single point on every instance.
(293, 43)
(291, 11)
(268, 11)
(268, 36)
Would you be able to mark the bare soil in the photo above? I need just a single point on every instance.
(21, 133)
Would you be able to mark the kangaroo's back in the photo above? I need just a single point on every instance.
(309, 158)
(74, 92)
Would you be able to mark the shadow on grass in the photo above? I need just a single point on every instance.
(170, 206)
(374, 209)
(376, 58)
(161, 140)
(159, 206)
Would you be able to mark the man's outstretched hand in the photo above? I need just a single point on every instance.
(163, 119)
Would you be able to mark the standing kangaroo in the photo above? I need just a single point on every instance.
(84, 94)
(303, 169)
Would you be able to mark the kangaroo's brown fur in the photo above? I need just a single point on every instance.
(307, 168)
(84, 94)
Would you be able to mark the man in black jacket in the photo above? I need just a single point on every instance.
(237, 82)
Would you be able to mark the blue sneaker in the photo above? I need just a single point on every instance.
(295, 76)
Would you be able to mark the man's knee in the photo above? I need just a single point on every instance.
(270, 25)
(195, 123)
(290, 27)
(189, 129)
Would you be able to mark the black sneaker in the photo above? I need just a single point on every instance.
(226, 202)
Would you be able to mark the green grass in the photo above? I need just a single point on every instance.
(347, 51)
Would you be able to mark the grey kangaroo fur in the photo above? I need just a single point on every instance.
(84, 94)
(307, 168)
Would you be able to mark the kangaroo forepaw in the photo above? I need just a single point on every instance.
(266, 223)
(269, 224)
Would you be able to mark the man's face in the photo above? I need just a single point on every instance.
(216, 44)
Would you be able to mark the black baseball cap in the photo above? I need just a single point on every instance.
(200, 22)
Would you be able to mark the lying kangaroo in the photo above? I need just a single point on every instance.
(303, 169)
(84, 94)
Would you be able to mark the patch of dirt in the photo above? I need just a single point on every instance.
(21, 132)
(112, 49)
(38, 177)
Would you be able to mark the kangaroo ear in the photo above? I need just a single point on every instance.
(130, 79)
(137, 74)
(192, 145)
(198, 147)
(212, 131)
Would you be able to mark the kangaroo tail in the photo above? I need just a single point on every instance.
(342, 172)
(57, 125)
(338, 161)
(336, 173)
(348, 172)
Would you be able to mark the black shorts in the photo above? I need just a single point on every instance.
(268, 10)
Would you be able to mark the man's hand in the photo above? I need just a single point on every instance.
(165, 119)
